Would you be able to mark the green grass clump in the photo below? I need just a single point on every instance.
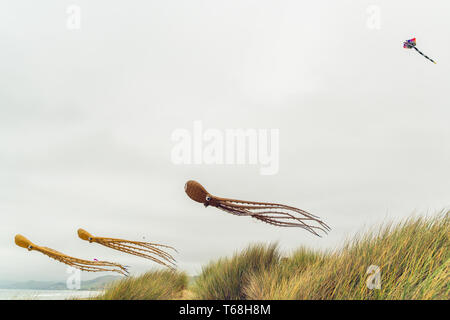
(226, 278)
(153, 285)
(413, 256)
(272, 283)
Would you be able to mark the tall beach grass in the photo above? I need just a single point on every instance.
(413, 258)
(153, 285)
(226, 278)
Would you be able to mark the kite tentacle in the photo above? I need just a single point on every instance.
(148, 249)
(255, 210)
(168, 264)
(139, 243)
(280, 224)
(262, 205)
(137, 248)
(234, 210)
(81, 264)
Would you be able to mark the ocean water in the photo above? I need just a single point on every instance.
(19, 294)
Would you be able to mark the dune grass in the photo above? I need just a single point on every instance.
(153, 285)
(413, 257)
(226, 278)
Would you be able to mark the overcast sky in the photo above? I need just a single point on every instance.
(86, 118)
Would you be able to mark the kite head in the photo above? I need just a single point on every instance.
(409, 44)
(198, 193)
(23, 242)
(83, 234)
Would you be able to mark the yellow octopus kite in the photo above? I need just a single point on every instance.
(137, 248)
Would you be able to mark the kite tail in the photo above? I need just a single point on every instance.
(424, 55)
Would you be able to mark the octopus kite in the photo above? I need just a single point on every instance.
(137, 248)
(84, 265)
(272, 213)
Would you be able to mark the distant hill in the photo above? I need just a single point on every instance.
(94, 284)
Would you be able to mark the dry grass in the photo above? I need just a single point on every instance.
(226, 278)
(413, 257)
(153, 285)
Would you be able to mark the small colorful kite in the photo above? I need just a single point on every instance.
(271, 213)
(151, 251)
(411, 44)
(84, 265)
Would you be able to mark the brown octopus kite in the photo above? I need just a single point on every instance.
(272, 213)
